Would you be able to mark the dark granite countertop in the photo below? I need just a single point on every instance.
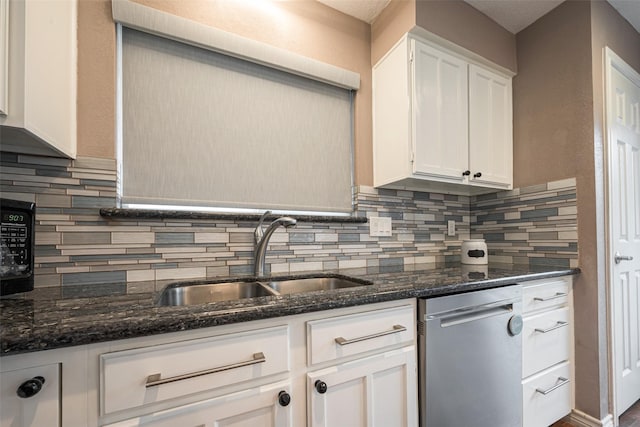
(48, 318)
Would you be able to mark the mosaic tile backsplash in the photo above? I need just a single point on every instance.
(75, 245)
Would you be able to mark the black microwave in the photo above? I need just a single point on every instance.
(18, 242)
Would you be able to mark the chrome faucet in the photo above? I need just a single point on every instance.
(262, 239)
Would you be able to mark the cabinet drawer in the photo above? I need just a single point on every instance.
(257, 406)
(545, 294)
(341, 336)
(191, 367)
(540, 409)
(545, 340)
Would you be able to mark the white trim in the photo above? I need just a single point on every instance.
(164, 24)
(580, 419)
(119, 131)
(4, 56)
(609, 232)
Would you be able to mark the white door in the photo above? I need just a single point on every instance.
(623, 121)
(256, 407)
(490, 128)
(40, 405)
(440, 113)
(378, 391)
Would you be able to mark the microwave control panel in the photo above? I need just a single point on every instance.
(17, 244)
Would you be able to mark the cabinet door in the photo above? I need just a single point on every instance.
(256, 407)
(41, 76)
(490, 129)
(440, 116)
(41, 409)
(376, 391)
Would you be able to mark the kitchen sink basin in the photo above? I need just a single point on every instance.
(190, 294)
(202, 293)
(311, 284)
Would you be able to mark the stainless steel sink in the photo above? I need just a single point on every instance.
(190, 294)
(202, 293)
(311, 284)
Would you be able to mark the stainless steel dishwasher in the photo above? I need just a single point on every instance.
(471, 359)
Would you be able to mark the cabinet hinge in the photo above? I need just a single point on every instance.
(411, 56)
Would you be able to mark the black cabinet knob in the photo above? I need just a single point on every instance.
(466, 173)
(477, 175)
(30, 387)
(284, 398)
(321, 386)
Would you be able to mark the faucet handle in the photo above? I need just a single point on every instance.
(259, 232)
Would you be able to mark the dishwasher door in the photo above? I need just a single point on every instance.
(471, 359)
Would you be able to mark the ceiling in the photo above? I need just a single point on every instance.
(514, 15)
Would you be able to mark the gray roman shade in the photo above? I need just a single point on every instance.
(204, 129)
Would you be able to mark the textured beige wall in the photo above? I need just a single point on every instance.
(552, 99)
(305, 27)
(395, 20)
(465, 26)
(453, 20)
(96, 79)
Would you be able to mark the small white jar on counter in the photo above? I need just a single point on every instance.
(474, 251)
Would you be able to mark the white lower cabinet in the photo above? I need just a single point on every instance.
(30, 397)
(375, 391)
(266, 406)
(264, 373)
(547, 340)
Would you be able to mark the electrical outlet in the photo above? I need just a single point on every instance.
(379, 226)
(451, 228)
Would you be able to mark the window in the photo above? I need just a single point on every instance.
(205, 130)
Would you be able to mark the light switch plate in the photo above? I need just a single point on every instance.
(379, 226)
(451, 228)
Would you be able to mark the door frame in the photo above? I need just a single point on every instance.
(611, 60)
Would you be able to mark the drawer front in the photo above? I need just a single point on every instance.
(257, 407)
(545, 294)
(540, 409)
(546, 340)
(342, 336)
(191, 366)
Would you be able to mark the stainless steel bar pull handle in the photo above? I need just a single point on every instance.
(562, 382)
(155, 379)
(618, 258)
(396, 329)
(556, 296)
(559, 324)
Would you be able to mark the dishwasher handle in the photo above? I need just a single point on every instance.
(458, 317)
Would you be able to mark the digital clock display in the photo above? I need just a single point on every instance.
(13, 217)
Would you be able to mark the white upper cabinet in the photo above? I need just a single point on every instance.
(40, 112)
(441, 122)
